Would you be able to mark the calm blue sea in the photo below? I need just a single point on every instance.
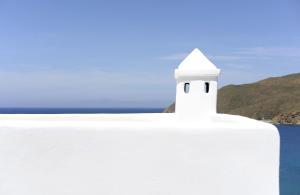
(289, 134)
(289, 159)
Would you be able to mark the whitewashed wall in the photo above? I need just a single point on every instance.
(137, 154)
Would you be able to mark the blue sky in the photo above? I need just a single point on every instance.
(73, 53)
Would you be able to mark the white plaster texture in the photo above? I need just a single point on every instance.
(137, 154)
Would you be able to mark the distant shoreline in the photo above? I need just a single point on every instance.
(272, 122)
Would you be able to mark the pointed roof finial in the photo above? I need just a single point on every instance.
(196, 65)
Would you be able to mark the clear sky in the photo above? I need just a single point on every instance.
(60, 53)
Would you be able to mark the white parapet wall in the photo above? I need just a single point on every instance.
(137, 154)
(194, 151)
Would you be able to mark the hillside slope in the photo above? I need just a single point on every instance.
(275, 98)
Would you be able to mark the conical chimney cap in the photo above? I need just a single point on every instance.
(196, 64)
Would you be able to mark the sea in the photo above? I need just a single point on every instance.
(289, 159)
(289, 135)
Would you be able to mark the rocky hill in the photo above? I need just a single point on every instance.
(275, 98)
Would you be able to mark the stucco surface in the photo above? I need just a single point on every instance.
(137, 154)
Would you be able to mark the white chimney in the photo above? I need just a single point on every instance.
(197, 86)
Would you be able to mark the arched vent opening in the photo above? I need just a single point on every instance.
(186, 87)
(206, 87)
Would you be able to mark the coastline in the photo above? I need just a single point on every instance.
(277, 123)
